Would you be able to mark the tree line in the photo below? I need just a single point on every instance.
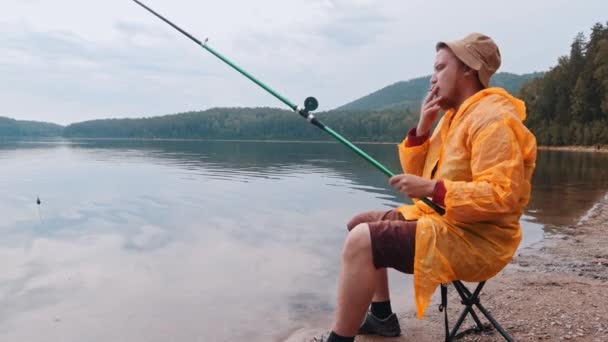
(569, 104)
(251, 124)
(12, 128)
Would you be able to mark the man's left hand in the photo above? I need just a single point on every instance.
(413, 186)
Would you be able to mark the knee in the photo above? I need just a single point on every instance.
(358, 245)
(355, 221)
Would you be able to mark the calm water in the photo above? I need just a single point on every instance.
(204, 241)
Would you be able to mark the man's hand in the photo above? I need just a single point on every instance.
(413, 186)
(428, 112)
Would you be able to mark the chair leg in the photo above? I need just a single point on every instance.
(496, 325)
(456, 327)
(468, 300)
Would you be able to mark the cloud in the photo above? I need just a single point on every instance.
(76, 73)
(71, 60)
(355, 23)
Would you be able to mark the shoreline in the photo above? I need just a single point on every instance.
(282, 141)
(554, 290)
(575, 148)
(570, 148)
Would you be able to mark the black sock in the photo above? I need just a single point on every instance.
(333, 337)
(382, 309)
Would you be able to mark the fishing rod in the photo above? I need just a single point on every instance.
(310, 104)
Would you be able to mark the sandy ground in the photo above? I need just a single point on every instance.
(553, 292)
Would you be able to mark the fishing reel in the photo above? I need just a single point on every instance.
(311, 104)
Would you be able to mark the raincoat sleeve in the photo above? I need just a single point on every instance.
(413, 155)
(498, 177)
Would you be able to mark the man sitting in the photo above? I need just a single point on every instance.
(478, 164)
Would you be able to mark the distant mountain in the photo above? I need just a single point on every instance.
(19, 128)
(409, 94)
(385, 115)
(513, 82)
(404, 94)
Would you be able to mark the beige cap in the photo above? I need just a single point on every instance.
(478, 52)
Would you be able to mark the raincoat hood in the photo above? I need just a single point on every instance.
(518, 105)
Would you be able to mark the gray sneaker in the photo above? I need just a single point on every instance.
(388, 327)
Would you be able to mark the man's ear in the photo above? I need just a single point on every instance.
(472, 73)
(468, 71)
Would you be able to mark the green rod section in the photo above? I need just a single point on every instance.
(358, 151)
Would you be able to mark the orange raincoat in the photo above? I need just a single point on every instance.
(485, 157)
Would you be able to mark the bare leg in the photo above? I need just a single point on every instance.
(357, 281)
(381, 293)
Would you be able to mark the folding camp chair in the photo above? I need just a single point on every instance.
(468, 300)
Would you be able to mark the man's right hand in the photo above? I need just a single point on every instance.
(428, 112)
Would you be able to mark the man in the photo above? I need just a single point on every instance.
(477, 164)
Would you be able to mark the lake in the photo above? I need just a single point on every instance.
(206, 240)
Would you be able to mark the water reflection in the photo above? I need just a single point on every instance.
(199, 241)
(566, 185)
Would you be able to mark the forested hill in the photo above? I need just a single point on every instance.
(251, 123)
(409, 94)
(569, 104)
(18, 128)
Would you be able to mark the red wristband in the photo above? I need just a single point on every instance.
(439, 193)
(414, 140)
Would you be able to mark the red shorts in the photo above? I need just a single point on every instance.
(393, 239)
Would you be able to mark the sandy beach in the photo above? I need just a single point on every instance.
(595, 148)
(554, 291)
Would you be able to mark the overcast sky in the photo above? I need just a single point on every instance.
(66, 61)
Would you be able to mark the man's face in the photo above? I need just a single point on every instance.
(446, 78)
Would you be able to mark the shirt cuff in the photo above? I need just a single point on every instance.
(439, 193)
(414, 140)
